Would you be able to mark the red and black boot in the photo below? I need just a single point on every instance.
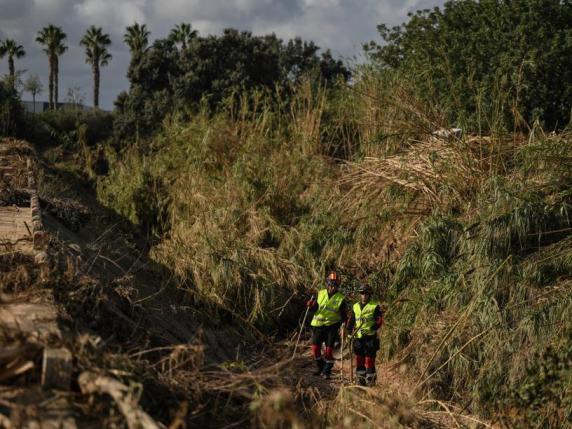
(360, 370)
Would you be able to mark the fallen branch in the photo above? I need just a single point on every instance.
(15, 368)
(449, 412)
(5, 422)
(10, 352)
(135, 417)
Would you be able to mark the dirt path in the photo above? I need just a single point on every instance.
(15, 224)
(391, 403)
(34, 362)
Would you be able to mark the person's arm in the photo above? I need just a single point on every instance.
(344, 312)
(378, 317)
(312, 303)
(351, 322)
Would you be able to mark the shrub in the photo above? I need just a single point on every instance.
(11, 111)
(479, 59)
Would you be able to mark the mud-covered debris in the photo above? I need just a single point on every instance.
(42, 258)
(13, 197)
(125, 288)
(69, 212)
(16, 359)
(56, 368)
(92, 383)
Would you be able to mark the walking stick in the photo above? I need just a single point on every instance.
(301, 329)
(351, 361)
(342, 349)
(351, 345)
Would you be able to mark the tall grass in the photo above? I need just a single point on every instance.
(467, 236)
(237, 198)
(503, 282)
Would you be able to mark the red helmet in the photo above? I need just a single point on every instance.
(333, 278)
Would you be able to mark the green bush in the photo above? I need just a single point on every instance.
(503, 60)
(540, 394)
(99, 124)
(11, 111)
(169, 79)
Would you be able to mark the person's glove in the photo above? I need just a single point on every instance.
(311, 302)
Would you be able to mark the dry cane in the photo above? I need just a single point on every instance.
(300, 333)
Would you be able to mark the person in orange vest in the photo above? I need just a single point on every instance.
(365, 320)
(331, 313)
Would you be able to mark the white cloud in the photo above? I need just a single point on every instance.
(113, 15)
(226, 12)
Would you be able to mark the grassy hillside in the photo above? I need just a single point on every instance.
(189, 226)
(193, 252)
(467, 237)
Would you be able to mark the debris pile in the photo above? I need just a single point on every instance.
(69, 212)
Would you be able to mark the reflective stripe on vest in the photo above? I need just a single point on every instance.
(328, 309)
(365, 320)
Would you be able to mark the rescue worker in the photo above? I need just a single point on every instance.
(366, 318)
(331, 313)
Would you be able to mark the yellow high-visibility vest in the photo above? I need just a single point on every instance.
(364, 317)
(328, 309)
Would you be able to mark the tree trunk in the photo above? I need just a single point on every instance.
(11, 67)
(51, 85)
(34, 101)
(56, 81)
(95, 85)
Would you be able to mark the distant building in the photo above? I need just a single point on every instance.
(37, 107)
(42, 106)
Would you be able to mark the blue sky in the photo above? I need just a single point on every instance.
(340, 25)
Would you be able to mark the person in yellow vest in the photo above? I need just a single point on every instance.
(365, 320)
(331, 313)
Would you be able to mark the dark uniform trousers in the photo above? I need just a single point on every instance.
(365, 349)
(328, 335)
(368, 345)
(325, 334)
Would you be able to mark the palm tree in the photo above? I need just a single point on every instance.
(59, 51)
(137, 38)
(53, 40)
(12, 50)
(96, 43)
(183, 34)
(34, 86)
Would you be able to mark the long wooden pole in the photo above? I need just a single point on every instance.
(351, 360)
(300, 333)
(342, 346)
